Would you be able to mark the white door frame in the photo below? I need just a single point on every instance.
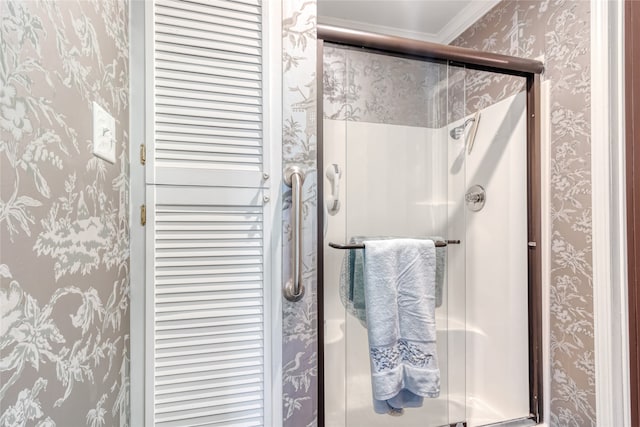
(610, 298)
(136, 199)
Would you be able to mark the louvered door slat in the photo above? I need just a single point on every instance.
(169, 12)
(212, 337)
(186, 370)
(185, 105)
(194, 353)
(207, 262)
(218, 101)
(171, 58)
(238, 6)
(209, 29)
(250, 2)
(219, 8)
(177, 131)
(201, 52)
(208, 84)
(203, 121)
(190, 326)
(200, 247)
(177, 107)
(168, 336)
(212, 105)
(208, 226)
(196, 388)
(208, 310)
(167, 72)
(225, 39)
(174, 384)
(222, 43)
(208, 94)
(221, 417)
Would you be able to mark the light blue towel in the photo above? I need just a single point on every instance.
(352, 277)
(400, 277)
(352, 281)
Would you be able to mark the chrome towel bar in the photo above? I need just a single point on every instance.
(439, 244)
(294, 288)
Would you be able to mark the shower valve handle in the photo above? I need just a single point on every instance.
(474, 197)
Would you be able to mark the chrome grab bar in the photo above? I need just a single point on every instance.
(294, 288)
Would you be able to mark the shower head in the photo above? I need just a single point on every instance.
(458, 131)
(471, 136)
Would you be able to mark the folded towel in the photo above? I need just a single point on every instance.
(400, 307)
(352, 277)
(441, 265)
(352, 281)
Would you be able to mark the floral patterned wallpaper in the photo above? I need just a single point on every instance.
(64, 251)
(63, 332)
(375, 88)
(559, 30)
(300, 347)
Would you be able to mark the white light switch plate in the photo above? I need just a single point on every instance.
(104, 134)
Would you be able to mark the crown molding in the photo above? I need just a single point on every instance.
(464, 19)
(456, 26)
(379, 29)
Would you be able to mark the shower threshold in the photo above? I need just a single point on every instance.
(520, 422)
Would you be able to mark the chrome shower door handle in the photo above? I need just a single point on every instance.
(294, 288)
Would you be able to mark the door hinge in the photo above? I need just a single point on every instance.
(143, 215)
(143, 154)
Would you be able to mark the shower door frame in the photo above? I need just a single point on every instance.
(475, 60)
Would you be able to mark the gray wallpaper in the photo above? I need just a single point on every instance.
(64, 326)
(64, 247)
(300, 347)
(559, 30)
(376, 88)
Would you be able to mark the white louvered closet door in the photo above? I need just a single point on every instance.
(210, 209)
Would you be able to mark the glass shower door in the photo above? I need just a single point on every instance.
(386, 162)
(419, 149)
(492, 193)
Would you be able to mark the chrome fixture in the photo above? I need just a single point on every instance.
(458, 131)
(333, 174)
(471, 136)
(475, 198)
(294, 288)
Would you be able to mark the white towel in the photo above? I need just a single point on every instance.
(400, 300)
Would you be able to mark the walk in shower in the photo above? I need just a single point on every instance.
(412, 147)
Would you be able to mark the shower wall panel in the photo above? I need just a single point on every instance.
(394, 183)
(495, 265)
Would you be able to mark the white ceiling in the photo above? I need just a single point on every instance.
(438, 21)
